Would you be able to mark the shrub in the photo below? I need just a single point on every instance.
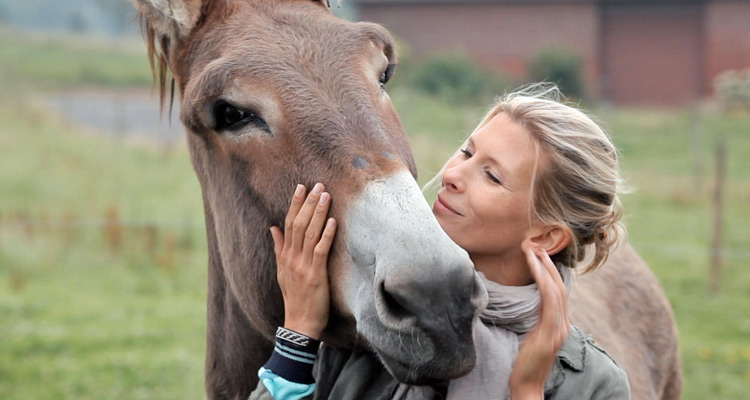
(457, 79)
(561, 67)
(733, 89)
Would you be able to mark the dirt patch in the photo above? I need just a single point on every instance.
(121, 114)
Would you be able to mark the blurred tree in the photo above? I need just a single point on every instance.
(733, 89)
(4, 14)
(121, 12)
(454, 77)
(77, 23)
(562, 67)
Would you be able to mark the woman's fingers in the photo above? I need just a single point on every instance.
(305, 224)
(302, 220)
(320, 253)
(543, 280)
(537, 353)
(553, 318)
(317, 223)
(538, 272)
(544, 271)
(298, 198)
(550, 266)
(278, 241)
(559, 285)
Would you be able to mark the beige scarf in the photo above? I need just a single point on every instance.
(511, 312)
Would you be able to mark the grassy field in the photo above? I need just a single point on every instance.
(102, 248)
(66, 61)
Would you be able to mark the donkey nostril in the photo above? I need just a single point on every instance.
(394, 303)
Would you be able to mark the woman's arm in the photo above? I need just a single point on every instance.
(301, 270)
(301, 261)
(539, 349)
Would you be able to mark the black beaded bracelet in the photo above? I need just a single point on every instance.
(297, 338)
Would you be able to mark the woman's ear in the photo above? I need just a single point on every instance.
(553, 239)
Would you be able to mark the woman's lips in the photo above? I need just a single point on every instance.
(441, 205)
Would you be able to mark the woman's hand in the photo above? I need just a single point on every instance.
(539, 349)
(301, 261)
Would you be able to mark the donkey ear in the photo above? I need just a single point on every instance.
(172, 18)
(325, 3)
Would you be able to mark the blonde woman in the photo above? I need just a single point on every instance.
(531, 195)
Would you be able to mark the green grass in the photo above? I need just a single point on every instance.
(670, 223)
(61, 62)
(87, 315)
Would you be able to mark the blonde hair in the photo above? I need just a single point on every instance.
(579, 187)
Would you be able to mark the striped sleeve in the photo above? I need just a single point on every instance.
(288, 373)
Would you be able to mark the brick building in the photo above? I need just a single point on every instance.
(634, 51)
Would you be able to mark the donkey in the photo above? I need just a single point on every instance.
(280, 92)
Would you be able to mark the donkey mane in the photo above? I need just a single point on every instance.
(157, 60)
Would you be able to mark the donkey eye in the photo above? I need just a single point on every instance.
(387, 74)
(229, 117)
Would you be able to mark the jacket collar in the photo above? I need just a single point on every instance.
(572, 355)
(573, 351)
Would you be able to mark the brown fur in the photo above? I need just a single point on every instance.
(624, 307)
(273, 57)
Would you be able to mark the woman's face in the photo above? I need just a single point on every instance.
(484, 202)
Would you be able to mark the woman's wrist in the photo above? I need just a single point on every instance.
(293, 357)
(527, 392)
(298, 338)
(311, 330)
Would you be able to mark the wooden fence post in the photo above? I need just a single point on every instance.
(68, 230)
(167, 259)
(113, 229)
(696, 135)
(23, 218)
(150, 238)
(718, 216)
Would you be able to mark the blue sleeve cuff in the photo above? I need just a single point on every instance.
(282, 389)
(292, 362)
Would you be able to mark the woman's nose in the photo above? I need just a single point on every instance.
(452, 179)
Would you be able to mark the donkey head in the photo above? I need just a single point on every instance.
(276, 93)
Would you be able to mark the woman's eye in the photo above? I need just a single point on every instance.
(467, 153)
(493, 178)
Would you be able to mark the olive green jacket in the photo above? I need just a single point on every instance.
(582, 371)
